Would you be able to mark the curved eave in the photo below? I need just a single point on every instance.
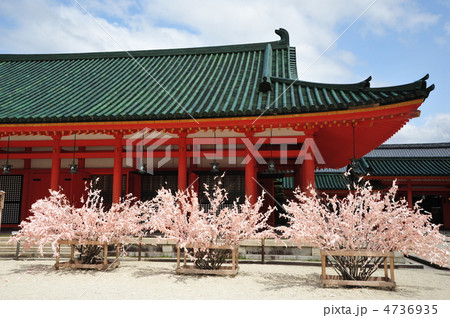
(310, 96)
(319, 104)
(296, 82)
(420, 84)
(335, 142)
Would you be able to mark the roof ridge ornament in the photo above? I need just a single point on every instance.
(284, 35)
(367, 82)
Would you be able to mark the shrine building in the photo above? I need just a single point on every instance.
(137, 121)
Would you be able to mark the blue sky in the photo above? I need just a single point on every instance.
(394, 41)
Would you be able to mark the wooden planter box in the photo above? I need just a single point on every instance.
(72, 263)
(190, 269)
(379, 281)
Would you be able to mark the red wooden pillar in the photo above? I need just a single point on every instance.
(193, 181)
(307, 172)
(56, 162)
(182, 162)
(251, 186)
(117, 176)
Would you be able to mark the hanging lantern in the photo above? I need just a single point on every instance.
(215, 166)
(142, 168)
(271, 166)
(7, 167)
(73, 167)
(354, 162)
(271, 163)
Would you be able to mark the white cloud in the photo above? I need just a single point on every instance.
(443, 38)
(399, 15)
(216, 22)
(435, 129)
(44, 26)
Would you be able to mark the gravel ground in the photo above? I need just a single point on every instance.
(145, 280)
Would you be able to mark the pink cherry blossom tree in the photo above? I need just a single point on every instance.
(363, 220)
(181, 217)
(55, 218)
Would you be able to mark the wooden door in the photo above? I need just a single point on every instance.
(74, 186)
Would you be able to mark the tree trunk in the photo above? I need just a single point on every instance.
(355, 267)
(89, 254)
(211, 258)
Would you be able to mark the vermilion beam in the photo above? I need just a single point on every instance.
(301, 121)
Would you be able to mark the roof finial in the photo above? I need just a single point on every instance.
(284, 35)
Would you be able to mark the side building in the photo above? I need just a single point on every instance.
(421, 171)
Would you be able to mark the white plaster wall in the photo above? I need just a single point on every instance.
(42, 149)
(28, 138)
(99, 163)
(101, 148)
(280, 132)
(41, 163)
(87, 136)
(66, 162)
(16, 163)
(210, 134)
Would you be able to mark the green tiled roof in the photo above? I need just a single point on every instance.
(288, 182)
(327, 181)
(324, 181)
(331, 181)
(407, 166)
(412, 160)
(223, 81)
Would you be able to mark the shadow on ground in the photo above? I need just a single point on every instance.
(146, 272)
(276, 282)
(29, 268)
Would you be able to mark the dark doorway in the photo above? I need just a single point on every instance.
(12, 185)
(151, 183)
(233, 183)
(433, 205)
(104, 182)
